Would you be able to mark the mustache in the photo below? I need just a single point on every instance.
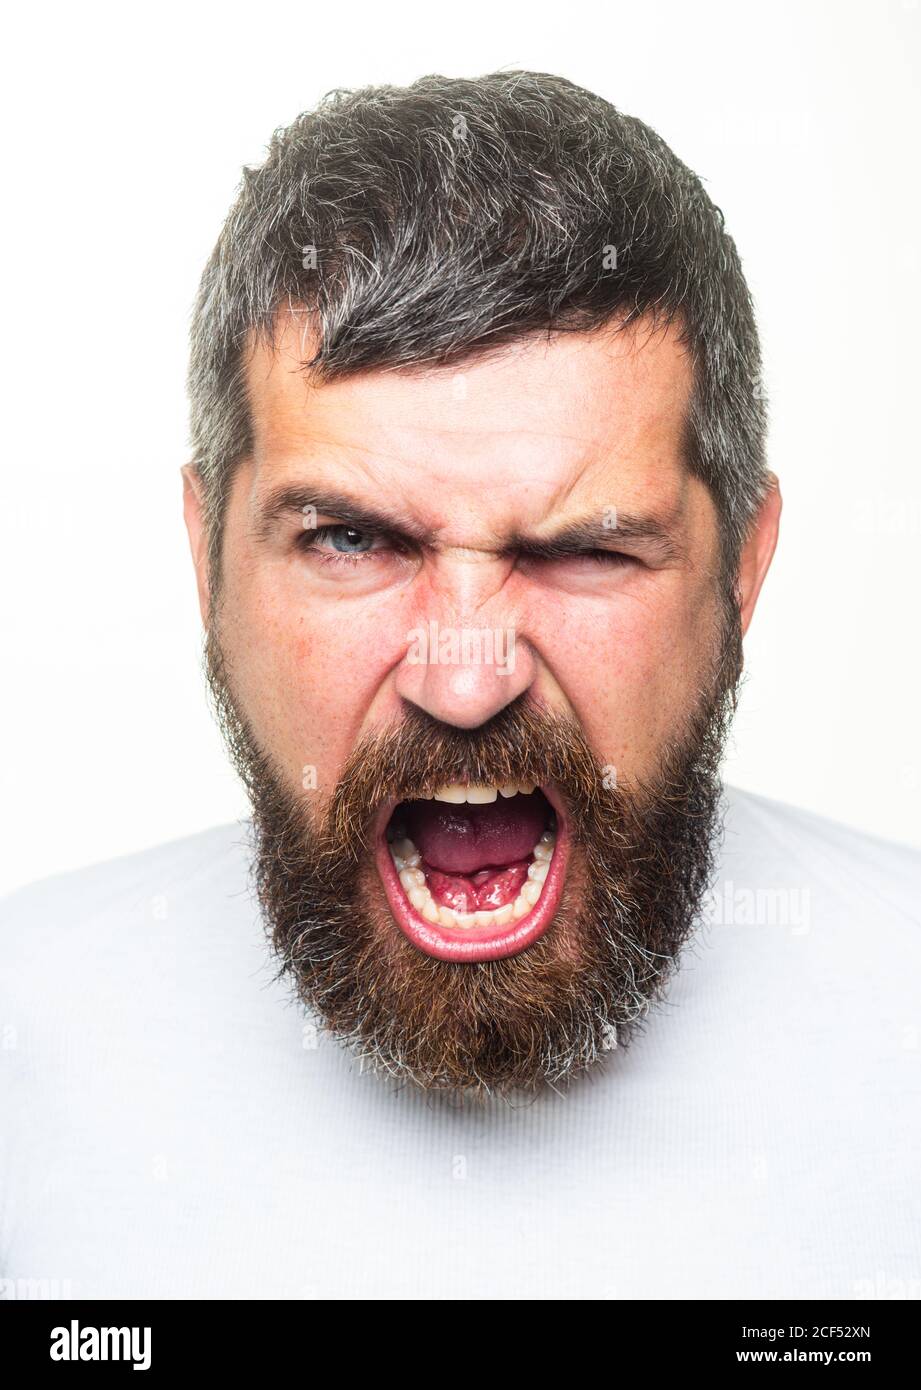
(523, 742)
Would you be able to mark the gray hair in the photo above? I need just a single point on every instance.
(453, 216)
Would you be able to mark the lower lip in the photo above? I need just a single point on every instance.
(474, 943)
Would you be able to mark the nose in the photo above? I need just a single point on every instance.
(463, 672)
(464, 676)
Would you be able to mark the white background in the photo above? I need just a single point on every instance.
(126, 131)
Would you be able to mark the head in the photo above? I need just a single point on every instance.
(479, 513)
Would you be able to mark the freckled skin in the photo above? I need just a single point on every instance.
(527, 441)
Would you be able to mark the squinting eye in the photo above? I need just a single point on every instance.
(606, 557)
(590, 571)
(592, 557)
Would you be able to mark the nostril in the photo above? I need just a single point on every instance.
(463, 696)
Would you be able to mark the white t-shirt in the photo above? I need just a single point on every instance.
(173, 1127)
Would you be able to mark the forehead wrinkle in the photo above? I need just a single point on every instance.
(368, 497)
(360, 465)
(602, 453)
(546, 496)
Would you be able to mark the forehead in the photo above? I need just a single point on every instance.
(595, 416)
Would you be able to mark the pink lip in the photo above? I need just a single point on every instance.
(474, 943)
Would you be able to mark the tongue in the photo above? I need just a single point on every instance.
(466, 839)
(480, 892)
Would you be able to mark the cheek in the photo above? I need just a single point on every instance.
(307, 672)
(630, 668)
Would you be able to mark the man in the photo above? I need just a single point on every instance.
(479, 514)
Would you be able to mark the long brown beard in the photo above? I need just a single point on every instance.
(642, 857)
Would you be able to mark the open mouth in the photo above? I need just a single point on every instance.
(474, 872)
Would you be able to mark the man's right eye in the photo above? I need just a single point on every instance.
(347, 540)
(340, 542)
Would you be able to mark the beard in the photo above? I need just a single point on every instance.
(641, 859)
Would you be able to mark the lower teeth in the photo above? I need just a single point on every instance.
(408, 861)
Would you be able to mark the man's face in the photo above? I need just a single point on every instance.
(439, 588)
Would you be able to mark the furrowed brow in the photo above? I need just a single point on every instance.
(293, 499)
(639, 532)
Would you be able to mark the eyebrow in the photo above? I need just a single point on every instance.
(589, 533)
(293, 499)
(592, 534)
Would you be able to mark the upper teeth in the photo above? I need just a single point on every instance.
(478, 794)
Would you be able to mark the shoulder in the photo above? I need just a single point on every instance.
(780, 824)
(775, 842)
(59, 913)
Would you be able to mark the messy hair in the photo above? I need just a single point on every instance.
(419, 226)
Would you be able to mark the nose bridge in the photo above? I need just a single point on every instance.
(464, 660)
(469, 581)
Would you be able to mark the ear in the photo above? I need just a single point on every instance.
(193, 507)
(758, 551)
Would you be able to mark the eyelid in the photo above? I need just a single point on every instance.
(599, 553)
(325, 529)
